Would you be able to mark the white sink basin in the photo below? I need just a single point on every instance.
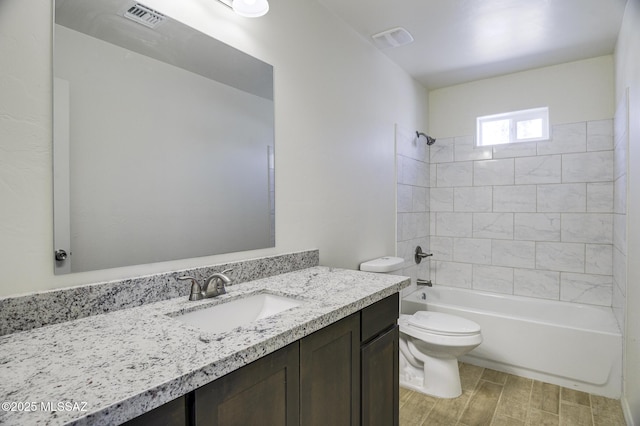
(229, 315)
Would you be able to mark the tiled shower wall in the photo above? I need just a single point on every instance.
(530, 219)
(412, 169)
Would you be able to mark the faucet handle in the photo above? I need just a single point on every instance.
(196, 290)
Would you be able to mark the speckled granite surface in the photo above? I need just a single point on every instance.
(119, 365)
(51, 307)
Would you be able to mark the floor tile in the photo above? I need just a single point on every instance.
(482, 405)
(575, 415)
(493, 398)
(546, 397)
(575, 396)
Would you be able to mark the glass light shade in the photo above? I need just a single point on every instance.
(250, 8)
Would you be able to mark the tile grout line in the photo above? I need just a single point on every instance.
(473, 392)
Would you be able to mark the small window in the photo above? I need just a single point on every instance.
(517, 126)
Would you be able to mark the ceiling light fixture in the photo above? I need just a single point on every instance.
(248, 8)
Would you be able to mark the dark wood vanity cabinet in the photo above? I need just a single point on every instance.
(330, 375)
(265, 392)
(345, 374)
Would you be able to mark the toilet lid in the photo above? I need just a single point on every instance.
(441, 323)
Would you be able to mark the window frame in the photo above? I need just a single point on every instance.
(514, 117)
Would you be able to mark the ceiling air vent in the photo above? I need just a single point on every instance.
(394, 37)
(144, 15)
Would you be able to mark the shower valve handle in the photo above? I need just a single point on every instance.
(420, 254)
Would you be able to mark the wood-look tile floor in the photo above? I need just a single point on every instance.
(493, 398)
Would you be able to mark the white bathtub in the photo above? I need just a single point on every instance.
(568, 344)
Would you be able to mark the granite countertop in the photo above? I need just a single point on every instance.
(107, 369)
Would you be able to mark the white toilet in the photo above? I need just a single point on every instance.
(430, 343)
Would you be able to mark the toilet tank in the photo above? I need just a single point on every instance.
(383, 265)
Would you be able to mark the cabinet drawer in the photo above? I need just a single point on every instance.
(379, 317)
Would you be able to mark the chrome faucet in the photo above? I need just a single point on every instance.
(213, 286)
(421, 282)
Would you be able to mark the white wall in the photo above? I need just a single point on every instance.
(336, 98)
(574, 91)
(628, 77)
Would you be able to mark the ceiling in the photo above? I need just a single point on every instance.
(464, 40)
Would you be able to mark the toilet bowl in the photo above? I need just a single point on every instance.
(430, 344)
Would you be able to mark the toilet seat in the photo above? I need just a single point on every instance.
(444, 324)
(440, 328)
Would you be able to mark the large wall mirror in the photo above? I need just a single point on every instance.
(163, 140)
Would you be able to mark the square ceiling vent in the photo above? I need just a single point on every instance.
(394, 37)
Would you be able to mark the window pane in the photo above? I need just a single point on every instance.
(528, 129)
(495, 132)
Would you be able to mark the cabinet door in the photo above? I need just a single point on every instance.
(265, 392)
(173, 413)
(330, 375)
(380, 392)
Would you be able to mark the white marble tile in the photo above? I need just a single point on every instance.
(454, 174)
(536, 283)
(620, 232)
(473, 199)
(405, 198)
(493, 225)
(517, 198)
(432, 175)
(600, 135)
(518, 254)
(620, 195)
(621, 117)
(454, 224)
(442, 248)
(600, 197)
(441, 199)
(586, 288)
(414, 225)
(620, 156)
(618, 305)
(587, 167)
(496, 279)
(540, 169)
(472, 250)
(493, 172)
(441, 151)
(432, 224)
(537, 226)
(599, 259)
(420, 199)
(560, 198)
(453, 274)
(587, 228)
(412, 172)
(510, 150)
(465, 150)
(566, 257)
(565, 138)
(620, 269)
